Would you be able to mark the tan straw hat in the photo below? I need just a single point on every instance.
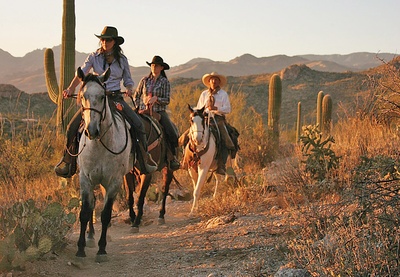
(206, 79)
(111, 32)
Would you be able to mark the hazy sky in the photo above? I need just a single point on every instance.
(180, 30)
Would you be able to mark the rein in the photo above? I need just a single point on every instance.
(103, 114)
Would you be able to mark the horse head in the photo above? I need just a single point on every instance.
(197, 125)
(93, 101)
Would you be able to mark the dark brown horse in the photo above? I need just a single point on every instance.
(157, 146)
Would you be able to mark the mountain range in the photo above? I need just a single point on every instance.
(27, 72)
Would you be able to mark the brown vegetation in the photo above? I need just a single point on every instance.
(341, 195)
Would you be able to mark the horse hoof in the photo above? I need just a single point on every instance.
(161, 221)
(79, 262)
(101, 258)
(90, 243)
(135, 229)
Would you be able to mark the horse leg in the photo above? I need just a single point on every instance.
(144, 185)
(202, 176)
(216, 184)
(129, 180)
(105, 221)
(84, 217)
(167, 179)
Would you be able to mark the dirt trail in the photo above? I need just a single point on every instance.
(225, 246)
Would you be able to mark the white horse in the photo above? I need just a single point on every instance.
(202, 144)
(104, 156)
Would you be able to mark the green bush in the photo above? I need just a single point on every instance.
(28, 232)
(320, 158)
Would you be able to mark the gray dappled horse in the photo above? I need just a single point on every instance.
(104, 156)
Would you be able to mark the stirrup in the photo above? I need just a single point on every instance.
(64, 171)
(148, 167)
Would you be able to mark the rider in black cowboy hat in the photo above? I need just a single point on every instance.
(153, 92)
(109, 55)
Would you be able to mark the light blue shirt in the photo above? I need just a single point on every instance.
(119, 71)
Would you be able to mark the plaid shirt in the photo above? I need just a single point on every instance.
(147, 87)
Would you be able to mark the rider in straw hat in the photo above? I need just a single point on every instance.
(215, 99)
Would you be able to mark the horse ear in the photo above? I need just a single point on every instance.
(190, 108)
(80, 73)
(104, 77)
(202, 110)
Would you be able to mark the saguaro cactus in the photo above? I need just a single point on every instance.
(65, 108)
(274, 106)
(298, 123)
(319, 108)
(326, 114)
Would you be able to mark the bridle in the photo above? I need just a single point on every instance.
(104, 110)
(202, 145)
(103, 113)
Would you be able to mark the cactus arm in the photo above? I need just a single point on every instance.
(298, 123)
(50, 75)
(319, 109)
(326, 114)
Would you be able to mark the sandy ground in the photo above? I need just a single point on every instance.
(236, 245)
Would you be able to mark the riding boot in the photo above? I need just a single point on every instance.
(67, 166)
(146, 163)
(222, 157)
(173, 162)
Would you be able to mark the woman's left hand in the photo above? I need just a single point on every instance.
(152, 100)
(129, 92)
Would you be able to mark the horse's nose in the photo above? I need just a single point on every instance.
(92, 132)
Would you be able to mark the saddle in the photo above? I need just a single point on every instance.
(149, 112)
(156, 126)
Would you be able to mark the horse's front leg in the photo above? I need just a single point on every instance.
(201, 179)
(167, 179)
(144, 185)
(84, 217)
(105, 221)
(129, 180)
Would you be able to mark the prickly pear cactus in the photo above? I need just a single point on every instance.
(65, 107)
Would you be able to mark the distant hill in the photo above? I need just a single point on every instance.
(299, 84)
(27, 73)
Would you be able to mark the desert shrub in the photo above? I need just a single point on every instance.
(38, 212)
(356, 231)
(320, 158)
(28, 231)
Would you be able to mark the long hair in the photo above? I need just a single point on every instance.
(117, 52)
(162, 74)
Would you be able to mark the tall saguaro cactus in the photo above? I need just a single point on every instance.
(298, 123)
(65, 107)
(274, 107)
(326, 114)
(319, 109)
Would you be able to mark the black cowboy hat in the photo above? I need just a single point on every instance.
(160, 61)
(111, 32)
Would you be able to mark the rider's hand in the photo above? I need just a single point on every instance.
(212, 108)
(129, 92)
(66, 93)
(151, 100)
